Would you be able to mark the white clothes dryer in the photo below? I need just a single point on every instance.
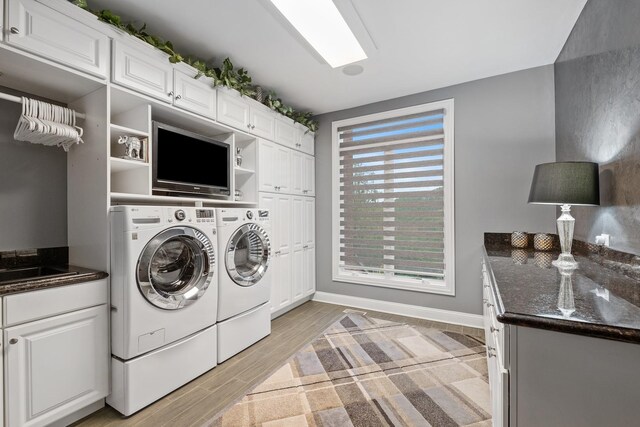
(244, 316)
(164, 298)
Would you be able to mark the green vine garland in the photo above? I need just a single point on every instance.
(224, 75)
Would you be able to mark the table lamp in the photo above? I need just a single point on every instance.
(565, 184)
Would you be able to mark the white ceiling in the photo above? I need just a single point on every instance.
(413, 45)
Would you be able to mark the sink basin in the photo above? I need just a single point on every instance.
(24, 274)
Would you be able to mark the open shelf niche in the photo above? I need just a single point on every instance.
(246, 180)
(130, 176)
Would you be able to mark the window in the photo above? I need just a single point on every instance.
(393, 199)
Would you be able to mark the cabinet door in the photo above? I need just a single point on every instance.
(283, 169)
(262, 123)
(297, 243)
(56, 366)
(281, 224)
(267, 168)
(309, 269)
(286, 133)
(307, 142)
(297, 173)
(233, 110)
(282, 281)
(309, 175)
(45, 32)
(309, 222)
(145, 70)
(194, 95)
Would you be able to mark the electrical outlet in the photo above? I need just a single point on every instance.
(603, 239)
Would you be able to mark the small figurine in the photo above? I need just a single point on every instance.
(133, 146)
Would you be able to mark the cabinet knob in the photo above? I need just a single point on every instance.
(489, 304)
(491, 354)
(170, 93)
(253, 126)
(178, 96)
(13, 341)
(492, 329)
(14, 30)
(248, 125)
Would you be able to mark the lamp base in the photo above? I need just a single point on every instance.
(565, 261)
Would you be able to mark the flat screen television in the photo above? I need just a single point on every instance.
(189, 164)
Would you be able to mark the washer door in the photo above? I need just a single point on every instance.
(248, 253)
(176, 268)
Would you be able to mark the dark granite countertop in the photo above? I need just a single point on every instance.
(594, 299)
(83, 275)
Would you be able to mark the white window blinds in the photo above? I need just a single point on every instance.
(392, 196)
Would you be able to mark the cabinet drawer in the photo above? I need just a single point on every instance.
(28, 306)
(45, 32)
(144, 70)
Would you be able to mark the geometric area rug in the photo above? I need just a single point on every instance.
(364, 371)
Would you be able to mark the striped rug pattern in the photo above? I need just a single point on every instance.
(369, 372)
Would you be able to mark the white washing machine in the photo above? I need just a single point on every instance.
(244, 315)
(164, 298)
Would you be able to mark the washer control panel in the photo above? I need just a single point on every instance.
(180, 215)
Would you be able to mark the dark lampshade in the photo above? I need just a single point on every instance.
(571, 183)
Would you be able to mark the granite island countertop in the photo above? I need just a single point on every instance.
(83, 275)
(591, 300)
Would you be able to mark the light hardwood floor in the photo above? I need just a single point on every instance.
(201, 399)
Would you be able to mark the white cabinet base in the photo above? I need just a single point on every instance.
(241, 331)
(141, 381)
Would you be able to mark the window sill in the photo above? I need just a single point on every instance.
(440, 289)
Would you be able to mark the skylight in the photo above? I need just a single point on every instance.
(322, 25)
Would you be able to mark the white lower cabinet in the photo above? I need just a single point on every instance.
(293, 248)
(55, 366)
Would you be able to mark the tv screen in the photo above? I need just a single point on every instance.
(187, 162)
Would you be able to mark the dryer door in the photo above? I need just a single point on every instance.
(176, 268)
(247, 255)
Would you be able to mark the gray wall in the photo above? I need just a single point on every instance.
(597, 82)
(504, 126)
(33, 188)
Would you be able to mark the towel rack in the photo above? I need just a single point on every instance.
(17, 99)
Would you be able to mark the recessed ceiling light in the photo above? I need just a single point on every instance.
(353, 70)
(322, 25)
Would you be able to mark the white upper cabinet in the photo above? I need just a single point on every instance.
(297, 172)
(307, 141)
(142, 69)
(308, 175)
(233, 110)
(266, 166)
(262, 121)
(43, 31)
(286, 133)
(282, 166)
(195, 95)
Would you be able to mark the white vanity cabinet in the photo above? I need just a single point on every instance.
(56, 359)
(143, 69)
(40, 30)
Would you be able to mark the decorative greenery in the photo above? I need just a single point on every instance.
(225, 75)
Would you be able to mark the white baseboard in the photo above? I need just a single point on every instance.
(435, 314)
